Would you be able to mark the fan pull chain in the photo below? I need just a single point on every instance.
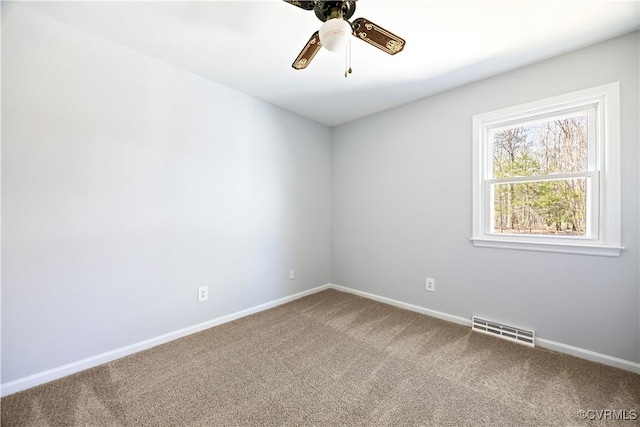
(347, 60)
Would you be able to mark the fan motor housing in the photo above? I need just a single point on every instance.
(325, 10)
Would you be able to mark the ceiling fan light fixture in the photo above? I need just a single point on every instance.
(335, 33)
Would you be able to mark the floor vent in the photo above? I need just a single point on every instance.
(521, 336)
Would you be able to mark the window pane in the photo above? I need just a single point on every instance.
(555, 207)
(554, 146)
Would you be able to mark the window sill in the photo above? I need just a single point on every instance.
(563, 248)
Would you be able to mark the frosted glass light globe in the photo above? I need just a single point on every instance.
(334, 34)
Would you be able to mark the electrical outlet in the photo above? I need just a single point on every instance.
(203, 293)
(430, 285)
(292, 274)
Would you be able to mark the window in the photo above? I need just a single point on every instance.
(546, 175)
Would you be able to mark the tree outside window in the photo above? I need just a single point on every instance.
(546, 175)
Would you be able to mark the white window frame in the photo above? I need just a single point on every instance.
(603, 211)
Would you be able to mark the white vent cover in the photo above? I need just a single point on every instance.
(510, 333)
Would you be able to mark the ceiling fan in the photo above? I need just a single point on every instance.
(334, 33)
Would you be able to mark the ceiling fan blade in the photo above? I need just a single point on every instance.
(311, 48)
(377, 36)
(306, 5)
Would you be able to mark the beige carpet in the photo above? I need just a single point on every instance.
(333, 359)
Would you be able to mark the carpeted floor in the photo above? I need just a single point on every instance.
(334, 359)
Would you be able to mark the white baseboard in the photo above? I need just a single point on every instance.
(541, 342)
(593, 356)
(406, 306)
(81, 365)
(90, 362)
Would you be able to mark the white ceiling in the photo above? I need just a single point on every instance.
(250, 45)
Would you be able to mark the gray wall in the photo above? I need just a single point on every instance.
(401, 211)
(127, 183)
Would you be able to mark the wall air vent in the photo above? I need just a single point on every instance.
(510, 333)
